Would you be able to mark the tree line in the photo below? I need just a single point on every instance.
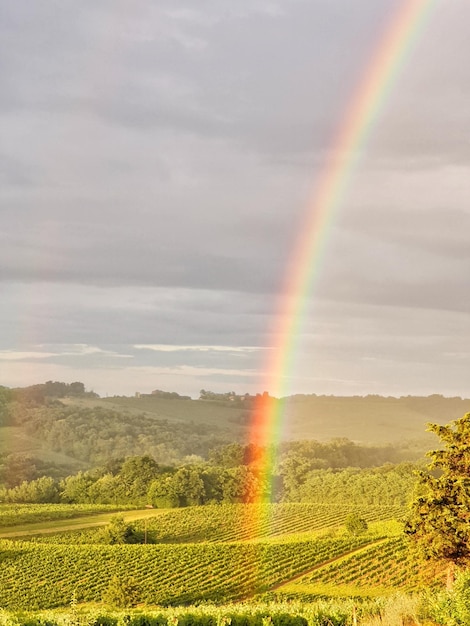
(141, 481)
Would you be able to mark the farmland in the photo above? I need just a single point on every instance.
(215, 553)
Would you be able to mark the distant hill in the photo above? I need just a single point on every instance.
(365, 419)
(368, 419)
(83, 430)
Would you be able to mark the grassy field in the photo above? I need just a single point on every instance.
(214, 553)
(369, 419)
(14, 439)
(22, 521)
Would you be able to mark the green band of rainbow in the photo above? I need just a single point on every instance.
(361, 115)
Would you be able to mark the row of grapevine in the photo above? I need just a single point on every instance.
(379, 568)
(319, 613)
(234, 522)
(35, 576)
(237, 522)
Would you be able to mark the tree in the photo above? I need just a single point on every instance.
(188, 486)
(136, 475)
(356, 525)
(439, 522)
(6, 396)
(117, 531)
(121, 593)
(75, 488)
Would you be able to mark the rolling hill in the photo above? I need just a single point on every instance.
(365, 419)
(274, 551)
(80, 432)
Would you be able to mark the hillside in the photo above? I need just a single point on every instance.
(369, 419)
(284, 551)
(366, 419)
(81, 431)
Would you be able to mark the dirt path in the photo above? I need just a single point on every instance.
(76, 523)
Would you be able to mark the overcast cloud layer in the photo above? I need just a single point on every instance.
(157, 160)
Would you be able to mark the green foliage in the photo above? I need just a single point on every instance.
(96, 434)
(16, 514)
(237, 522)
(356, 525)
(388, 484)
(16, 469)
(450, 607)
(41, 490)
(35, 575)
(378, 568)
(290, 540)
(117, 531)
(122, 593)
(319, 613)
(6, 396)
(76, 427)
(440, 515)
(141, 481)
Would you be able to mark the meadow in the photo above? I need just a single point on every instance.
(14, 515)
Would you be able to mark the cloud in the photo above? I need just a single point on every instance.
(65, 350)
(158, 169)
(173, 348)
(7, 355)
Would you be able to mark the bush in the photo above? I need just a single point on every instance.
(117, 531)
(122, 593)
(355, 525)
(449, 608)
(105, 620)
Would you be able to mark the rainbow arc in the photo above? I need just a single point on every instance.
(364, 108)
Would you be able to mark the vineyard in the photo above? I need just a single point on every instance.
(244, 522)
(214, 553)
(239, 522)
(15, 514)
(318, 613)
(40, 576)
(378, 569)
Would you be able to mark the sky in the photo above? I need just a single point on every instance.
(158, 160)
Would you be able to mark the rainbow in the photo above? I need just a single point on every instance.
(364, 108)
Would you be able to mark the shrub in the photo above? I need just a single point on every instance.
(121, 593)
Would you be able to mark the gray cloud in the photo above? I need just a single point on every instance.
(159, 163)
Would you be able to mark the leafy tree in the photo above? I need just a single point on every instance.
(136, 475)
(75, 488)
(230, 455)
(122, 593)
(117, 531)
(41, 490)
(188, 487)
(5, 399)
(439, 523)
(108, 489)
(355, 525)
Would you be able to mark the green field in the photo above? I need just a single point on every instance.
(369, 419)
(36, 520)
(214, 553)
